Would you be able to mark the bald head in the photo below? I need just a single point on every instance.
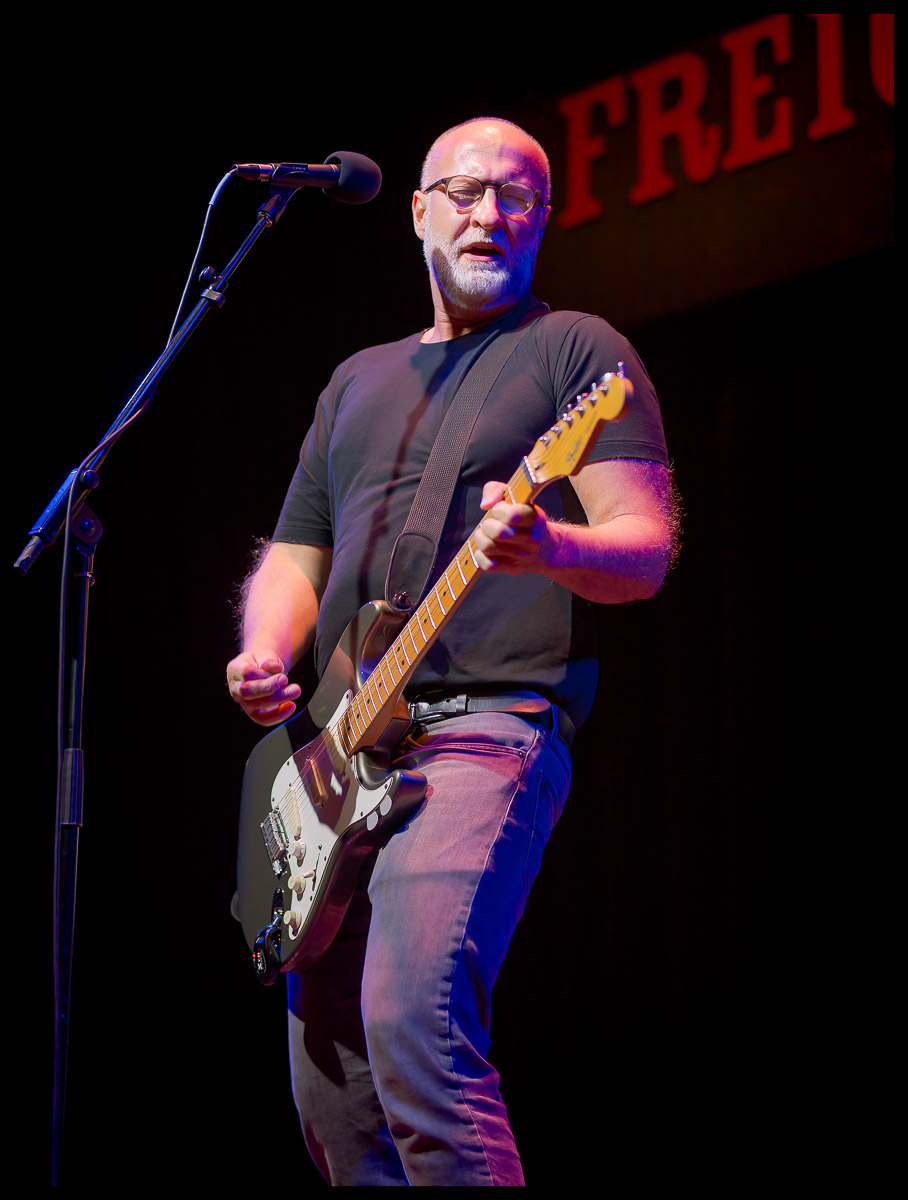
(487, 133)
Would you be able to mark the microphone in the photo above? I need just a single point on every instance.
(350, 178)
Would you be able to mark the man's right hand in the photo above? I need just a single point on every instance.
(259, 685)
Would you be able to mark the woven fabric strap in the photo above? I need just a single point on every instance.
(416, 548)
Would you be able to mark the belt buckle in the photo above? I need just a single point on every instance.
(427, 712)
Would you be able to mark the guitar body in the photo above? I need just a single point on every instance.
(309, 815)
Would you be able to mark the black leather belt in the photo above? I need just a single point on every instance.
(530, 706)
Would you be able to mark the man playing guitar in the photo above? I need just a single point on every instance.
(389, 1029)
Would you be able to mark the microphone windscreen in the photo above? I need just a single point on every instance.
(359, 180)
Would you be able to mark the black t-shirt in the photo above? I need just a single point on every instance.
(364, 455)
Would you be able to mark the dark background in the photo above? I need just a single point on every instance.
(679, 993)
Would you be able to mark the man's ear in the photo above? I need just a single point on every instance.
(420, 201)
(544, 220)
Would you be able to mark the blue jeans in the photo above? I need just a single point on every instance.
(389, 1032)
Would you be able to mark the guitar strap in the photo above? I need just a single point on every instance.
(416, 548)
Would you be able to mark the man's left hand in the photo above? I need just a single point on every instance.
(511, 538)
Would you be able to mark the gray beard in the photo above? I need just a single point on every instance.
(474, 285)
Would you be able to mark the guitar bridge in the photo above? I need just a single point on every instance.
(276, 841)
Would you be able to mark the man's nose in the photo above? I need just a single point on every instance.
(487, 213)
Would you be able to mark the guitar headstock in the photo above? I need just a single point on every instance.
(564, 448)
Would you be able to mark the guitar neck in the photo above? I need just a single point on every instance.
(560, 452)
(373, 705)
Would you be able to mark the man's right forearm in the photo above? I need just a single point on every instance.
(282, 599)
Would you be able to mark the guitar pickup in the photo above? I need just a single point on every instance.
(276, 841)
(315, 782)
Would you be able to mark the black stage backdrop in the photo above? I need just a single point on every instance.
(678, 995)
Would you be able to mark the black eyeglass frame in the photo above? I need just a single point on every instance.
(496, 187)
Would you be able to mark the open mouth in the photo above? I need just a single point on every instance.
(482, 251)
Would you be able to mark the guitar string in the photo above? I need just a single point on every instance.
(337, 736)
(345, 728)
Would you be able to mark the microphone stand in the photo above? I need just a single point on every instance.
(68, 510)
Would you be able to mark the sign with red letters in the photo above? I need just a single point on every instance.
(733, 162)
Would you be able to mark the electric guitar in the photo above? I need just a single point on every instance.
(318, 795)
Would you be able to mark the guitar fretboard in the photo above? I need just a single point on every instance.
(369, 707)
(558, 452)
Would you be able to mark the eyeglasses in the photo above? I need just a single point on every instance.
(464, 192)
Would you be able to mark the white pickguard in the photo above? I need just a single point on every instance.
(315, 821)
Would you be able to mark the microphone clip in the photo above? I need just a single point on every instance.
(274, 207)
